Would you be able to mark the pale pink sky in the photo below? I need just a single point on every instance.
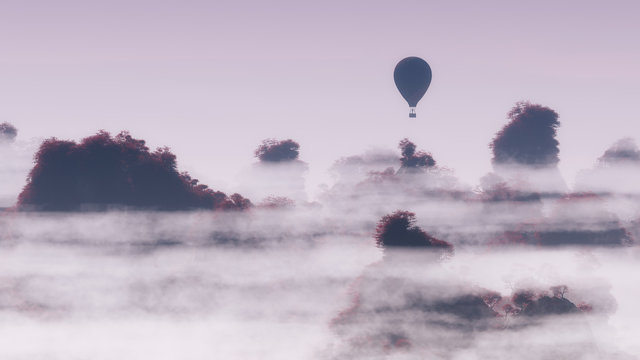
(212, 79)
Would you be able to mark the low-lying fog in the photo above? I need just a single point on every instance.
(269, 284)
(540, 269)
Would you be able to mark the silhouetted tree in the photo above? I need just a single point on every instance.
(529, 138)
(8, 132)
(523, 298)
(272, 150)
(547, 305)
(238, 202)
(384, 298)
(103, 171)
(399, 230)
(622, 151)
(414, 160)
(468, 307)
(531, 304)
(559, 291)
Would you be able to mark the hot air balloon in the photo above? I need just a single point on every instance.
(412, 76)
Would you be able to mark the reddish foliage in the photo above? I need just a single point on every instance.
(399, 230)
(102, 171)
(272, 150)
(529, 138)
(237, 202)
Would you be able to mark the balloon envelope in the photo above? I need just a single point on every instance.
(413, 77)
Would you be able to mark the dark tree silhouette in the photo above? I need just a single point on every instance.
(399, 230)
(523, 298)
(237, 202)
(622, 151)
(529, 138)
(8, 132)
(547, 305)
(414, 160)
(429, 304)
(559, 291)
(468, 307)
(272, 150)
(528, 303)
(103, 171)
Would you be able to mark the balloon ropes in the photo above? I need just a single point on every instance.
(413, 77)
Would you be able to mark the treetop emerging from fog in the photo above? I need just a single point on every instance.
(414, 160)
(399, 229)
(272, 150)
(623, 151)
(103, 170)
(8, 132)
(529, 138)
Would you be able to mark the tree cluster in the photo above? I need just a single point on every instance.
(622, 151)
(399, 230)
(530, 303)
(272, 150)
(529, 138)
(387, 294)
(414, 160)
(102, 171)
(8, 132)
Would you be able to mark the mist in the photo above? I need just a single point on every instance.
(16, 159)
(270, 283)
(524, 264)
